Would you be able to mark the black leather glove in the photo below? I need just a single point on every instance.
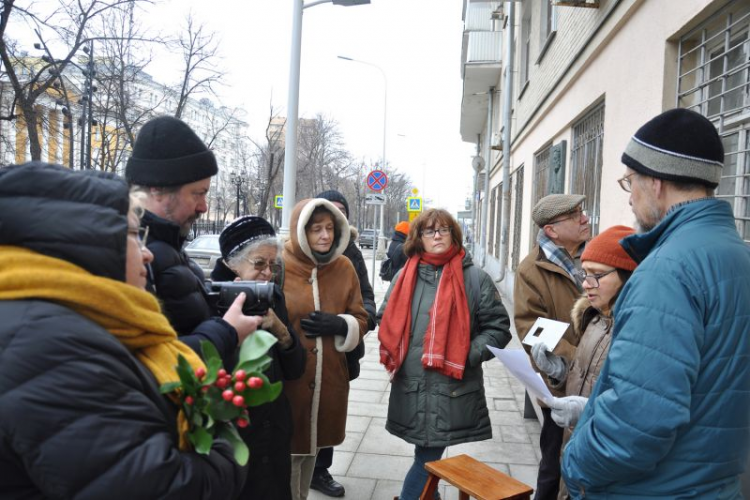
(320, 324)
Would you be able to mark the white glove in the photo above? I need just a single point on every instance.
(566, 411)
(548, 362)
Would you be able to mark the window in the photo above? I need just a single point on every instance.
(517, 216)
(714, 80)
(586, 162)
(525, 47)
(548, 26)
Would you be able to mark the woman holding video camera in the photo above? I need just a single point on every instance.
(250, 252)
(326, 304)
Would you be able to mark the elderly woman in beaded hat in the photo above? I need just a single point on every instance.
(250, 252)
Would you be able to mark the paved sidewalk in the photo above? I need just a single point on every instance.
(371, 463)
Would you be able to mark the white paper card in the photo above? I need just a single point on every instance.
(546, 330)
(517, 362)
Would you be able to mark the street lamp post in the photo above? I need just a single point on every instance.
(238, 180)
(381, 235)
(292, 108)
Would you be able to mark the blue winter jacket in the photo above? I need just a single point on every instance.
(670, 414)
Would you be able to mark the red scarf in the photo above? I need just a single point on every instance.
(447, 339)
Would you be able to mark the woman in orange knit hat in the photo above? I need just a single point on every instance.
(606, 268)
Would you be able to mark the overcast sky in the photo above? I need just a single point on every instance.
(417, 43)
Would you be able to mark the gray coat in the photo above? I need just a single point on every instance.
(426, 407)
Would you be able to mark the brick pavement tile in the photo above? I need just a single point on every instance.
(368, 384)
(513, 434)
(386, 489)
(377, 440)
(504, 404)
(341, 462)
(366, 465)
(351, 441)
(367, 409)
(525, 473)
(497, 452)
(369, 374)
(364, 396)
(506, 417)
(355, 423)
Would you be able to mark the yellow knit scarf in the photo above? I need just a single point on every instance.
(132, 315)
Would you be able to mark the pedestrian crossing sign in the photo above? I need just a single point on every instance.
(413, 204)
(278, 201)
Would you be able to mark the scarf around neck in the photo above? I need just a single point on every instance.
(132, 315)
(448, 337)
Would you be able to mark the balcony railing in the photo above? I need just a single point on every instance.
(484, 47)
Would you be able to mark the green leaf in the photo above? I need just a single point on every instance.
(222, 411)
(241, 451)
(202, 440)
(170, 387)
(256, 345)
(187, 375)
(196, 418)
(213, 362)
(265, 394)
(256, 365)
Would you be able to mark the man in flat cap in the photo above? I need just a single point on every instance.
(670, 414)
(547, 286)
(174, 168)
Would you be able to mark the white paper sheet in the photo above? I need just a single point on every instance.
(546, 330)
(517, 363)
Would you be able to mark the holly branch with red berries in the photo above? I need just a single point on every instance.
(215, 400)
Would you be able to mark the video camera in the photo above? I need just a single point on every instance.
(259, 296)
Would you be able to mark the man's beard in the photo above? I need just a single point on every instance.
(188, 225)
(653, 217)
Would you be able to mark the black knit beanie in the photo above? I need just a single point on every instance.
(333, 195)
(241, 232)
(168, 153)
(678, 145)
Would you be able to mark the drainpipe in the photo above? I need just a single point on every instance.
(487, 169)
(474, 191)
(507, 115)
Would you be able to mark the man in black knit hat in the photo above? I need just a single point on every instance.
(174, 168)
(322, 479)
(670, 414)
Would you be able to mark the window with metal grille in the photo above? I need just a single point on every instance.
(517, 213)
(713, 70)
(586, 162)
(541, 180)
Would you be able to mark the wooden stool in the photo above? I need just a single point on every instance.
(475, 479)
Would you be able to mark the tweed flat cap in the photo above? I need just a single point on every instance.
(553, 205)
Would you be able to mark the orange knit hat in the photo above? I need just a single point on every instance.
(606, 249)
(402, 227)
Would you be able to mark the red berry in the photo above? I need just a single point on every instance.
(242, 423)
(255, 382)
(240, 375)
(227, 395)
(222, 383)
(189, 400)
(200, 372)
(205, 388)
(239, 386)
(222, 373)
(238, 401)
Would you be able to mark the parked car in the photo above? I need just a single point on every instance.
(204, 250)
(368, 238)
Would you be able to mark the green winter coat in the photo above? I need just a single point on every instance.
(428, 408)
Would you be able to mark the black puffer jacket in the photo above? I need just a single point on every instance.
(396, 251)
(80, 417)
(354, 254)
(179, 285)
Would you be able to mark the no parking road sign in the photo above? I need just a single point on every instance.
(377, 180)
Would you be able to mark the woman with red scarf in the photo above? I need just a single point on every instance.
(439, 315)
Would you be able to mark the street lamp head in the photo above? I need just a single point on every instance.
(350, 3)
(477, 163)
(345, 58)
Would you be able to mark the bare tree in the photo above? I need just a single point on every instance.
(69, 25)
(323, 162)
(199, 49)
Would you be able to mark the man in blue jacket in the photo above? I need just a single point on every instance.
(670, 414)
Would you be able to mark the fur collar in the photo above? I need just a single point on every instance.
(301, 215)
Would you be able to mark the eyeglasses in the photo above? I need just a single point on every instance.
(626, 183)
(572, 215)
(592, 280)
(261, 264)
(441, 230)
(141, 233)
